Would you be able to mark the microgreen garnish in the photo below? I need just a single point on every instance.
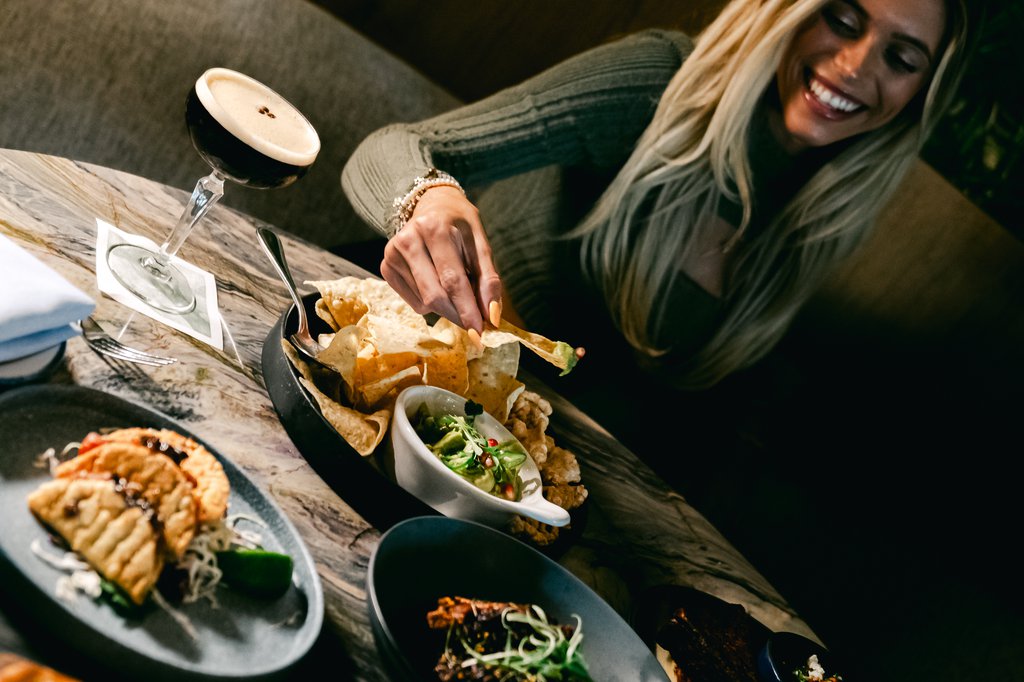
(491, 466)
(544, 653)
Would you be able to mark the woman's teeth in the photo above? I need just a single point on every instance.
(831, 99)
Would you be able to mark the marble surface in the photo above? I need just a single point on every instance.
(638, 533)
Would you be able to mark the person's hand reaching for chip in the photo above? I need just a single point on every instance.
(440, 262)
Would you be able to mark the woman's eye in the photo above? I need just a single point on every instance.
(844, 24)
(897, 62)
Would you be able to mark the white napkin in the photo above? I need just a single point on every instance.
(37, 305)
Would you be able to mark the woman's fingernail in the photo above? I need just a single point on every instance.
(495, 311)
(474, 336)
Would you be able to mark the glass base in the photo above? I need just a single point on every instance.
(160, 285)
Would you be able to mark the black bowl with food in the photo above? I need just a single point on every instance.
(789, 657)
(367, 483)
(426, 559)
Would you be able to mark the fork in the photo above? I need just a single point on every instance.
(102, 342)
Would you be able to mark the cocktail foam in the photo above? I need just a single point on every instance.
(258, 116)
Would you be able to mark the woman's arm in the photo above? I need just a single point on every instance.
(590, 108)
(587, 110)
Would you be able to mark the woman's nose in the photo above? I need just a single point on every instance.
(853, 58)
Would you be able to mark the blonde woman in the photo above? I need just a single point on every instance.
(671, 199)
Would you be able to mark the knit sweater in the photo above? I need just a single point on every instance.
(534, 158)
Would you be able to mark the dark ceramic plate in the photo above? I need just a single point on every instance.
(361, 481)
(245, 638)
(422, 559)
(787, 652)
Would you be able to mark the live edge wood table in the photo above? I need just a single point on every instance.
(638, 533)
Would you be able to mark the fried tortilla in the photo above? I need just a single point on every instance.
(113, 533)
(558, 353)
(149, 476)
(212, 489)
(14, 668)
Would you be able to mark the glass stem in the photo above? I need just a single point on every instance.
(208, 191)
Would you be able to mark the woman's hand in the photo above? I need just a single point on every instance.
(440, 261)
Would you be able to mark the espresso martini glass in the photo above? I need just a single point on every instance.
(246, 133)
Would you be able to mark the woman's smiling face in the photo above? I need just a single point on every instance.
(854, 66)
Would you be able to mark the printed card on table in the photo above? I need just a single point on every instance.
(202, 323)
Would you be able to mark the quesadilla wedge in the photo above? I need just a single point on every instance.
(212, 489)
(114, 534)
(150, 477)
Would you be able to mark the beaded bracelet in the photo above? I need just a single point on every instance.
(405, 205)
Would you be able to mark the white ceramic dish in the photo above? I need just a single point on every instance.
(423, 474)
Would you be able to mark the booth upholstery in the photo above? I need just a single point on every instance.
(105, 81)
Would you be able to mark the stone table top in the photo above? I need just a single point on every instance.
(639, 533)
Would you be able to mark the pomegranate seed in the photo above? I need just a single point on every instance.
(492, 442)
(509, 491)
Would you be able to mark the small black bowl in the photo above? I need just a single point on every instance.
(787, 652)
(422, 559)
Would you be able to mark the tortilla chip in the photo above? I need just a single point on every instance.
(445, 357)
(447, 368)
(328, 382)
(349, 298)
(448, 333)
(382, 392)
(492, 380)
(342, 351)
(371, 368)
(363, 432)
(492, 338)
(390, 335)
(342, 308)
(324, 313)
(558, 353)
(380, 346)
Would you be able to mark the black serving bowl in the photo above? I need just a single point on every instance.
(361, 481)
(422, 559)
(367, 484)
(787, 652)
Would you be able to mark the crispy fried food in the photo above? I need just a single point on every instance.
(561, 467)
(14, 668)
(567, 497)
(361, 430)
(558, 353)
(212, 489)
(466, 611)
(148, 476)
(528, 422)
(479, 636)
(112, 532)
(380, 345)
(560, 471)
(540, 534)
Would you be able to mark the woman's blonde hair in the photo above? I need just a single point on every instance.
(695, 153)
